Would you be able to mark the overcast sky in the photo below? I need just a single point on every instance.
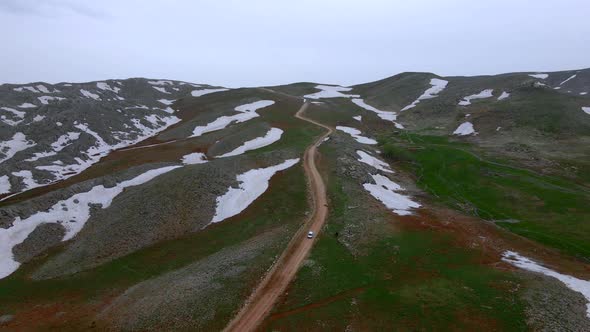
(266, 42)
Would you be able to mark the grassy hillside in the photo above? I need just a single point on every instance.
(548, 209)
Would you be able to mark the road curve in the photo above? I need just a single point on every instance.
(278, 278)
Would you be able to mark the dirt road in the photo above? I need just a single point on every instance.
(276, 281)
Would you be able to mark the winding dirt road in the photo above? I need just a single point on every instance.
(278, 278)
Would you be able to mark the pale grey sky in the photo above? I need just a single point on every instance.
(266, 42)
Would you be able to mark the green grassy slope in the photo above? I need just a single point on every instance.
(545, 208)
(400, 278)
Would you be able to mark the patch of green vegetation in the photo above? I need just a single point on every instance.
(548, 209)
(406, 280)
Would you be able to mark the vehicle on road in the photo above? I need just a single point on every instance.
(310, 234)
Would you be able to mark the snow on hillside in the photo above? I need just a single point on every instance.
(246, 112)
(487, 93)
(202, 92)
(161, 89)
(252, 184)
(273, 135)
(72, 214)
(4, 185)
(575, 284)
(62, 142)
(27, 105)
(46, 99)
(373, 162)
(539, 76)
(504, 95)
(101, 148)
(466, 128)
(166, 102)
(18, 143)
(388, 116)
(329, 91)
(437, 85)
(105, 86)
(568, 79)
(17, 115)
(386, 191)
(194, 158)
(27, 179)
(586, 110)
(356, 134)
(89, 94)
(358, 118)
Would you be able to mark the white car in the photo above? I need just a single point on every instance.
(310, 234)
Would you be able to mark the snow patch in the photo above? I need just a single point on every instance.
(194, 158)
(4, 185)
(246, 112)
(329, 91)
(389, 116)
(356, 134)
(273, 135)
(437, 85)
(89, 94)
(46, 99)
(570, 78)
(38, 118)
(101, 148)
(539, 76)
(27, 179)
(504, 95)
(386, 190)
(487, 93)
(30, 88)
(72, 214)
(162, 90)
(252, 184)
(16, 113)
(575, 284)
(466, 128)
(358, 118)
(18, 143)
(202, 92)
(166, 101)
(27, 105)
(161, 82)
(373, 162)
(106, 87)
(586, 110)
